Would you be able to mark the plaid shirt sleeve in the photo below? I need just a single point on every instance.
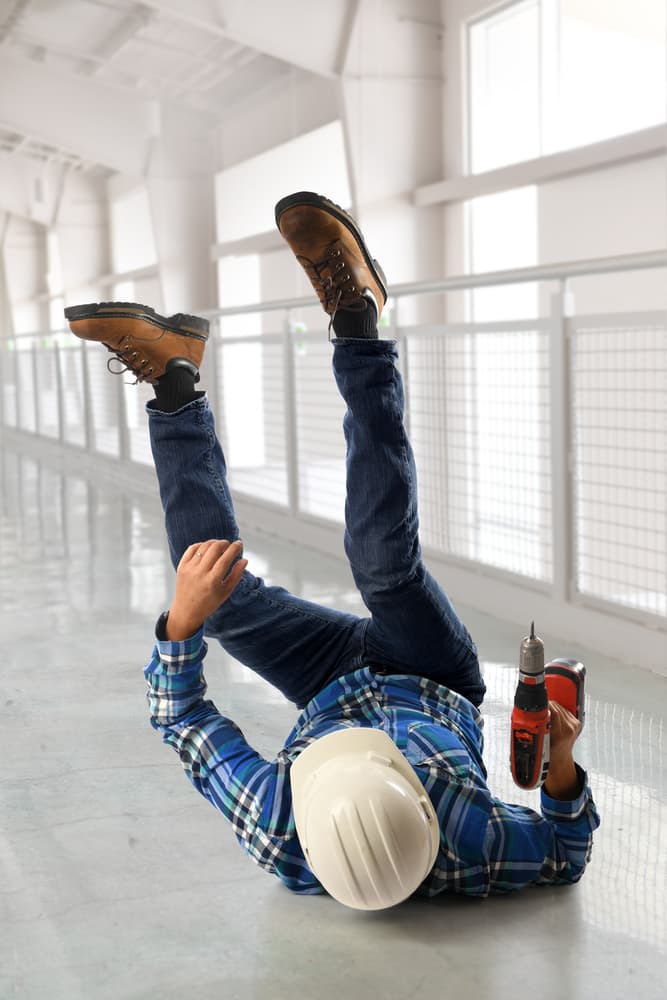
(554, 848)
(251, 792)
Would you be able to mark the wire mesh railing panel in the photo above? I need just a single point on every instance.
(319, 433)
(74, 399)
(251, 416)
(480, 429)
(105, 409)
(46, 372)
(479, 413)
(619, 386)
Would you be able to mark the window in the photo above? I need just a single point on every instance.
(246, 193)
(504, 57)
(502, 234)
(549, 75)
(610, 71)
(132, 240)
(544, 76)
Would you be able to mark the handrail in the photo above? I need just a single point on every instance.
(515, 276)
(541, 272)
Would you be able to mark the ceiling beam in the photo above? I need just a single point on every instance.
(269, 27)
(138, 17)
(95, 122)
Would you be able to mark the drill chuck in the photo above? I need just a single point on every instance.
(531, 654)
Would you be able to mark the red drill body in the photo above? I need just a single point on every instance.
(529, 754)
(561, 681)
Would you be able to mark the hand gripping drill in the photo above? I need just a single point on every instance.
(562, 680)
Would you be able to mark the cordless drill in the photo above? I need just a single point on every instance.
(562, 680)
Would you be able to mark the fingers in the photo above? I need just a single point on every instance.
(228, 559)
(565, 727)
(207, 553)
(233, 578)
(563, 714)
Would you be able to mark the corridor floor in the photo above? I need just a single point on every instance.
(117, 881)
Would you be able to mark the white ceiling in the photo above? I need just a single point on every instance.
(145, 51)
(90, 85)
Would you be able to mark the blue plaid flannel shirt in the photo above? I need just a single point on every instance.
(486, 845)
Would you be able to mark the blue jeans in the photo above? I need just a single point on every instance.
(296, 645)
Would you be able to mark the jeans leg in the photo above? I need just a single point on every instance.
(414, 627)
(296, 645)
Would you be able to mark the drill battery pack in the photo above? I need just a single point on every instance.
(564, 680)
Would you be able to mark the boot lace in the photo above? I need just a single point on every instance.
(132, 360)
(333, 283)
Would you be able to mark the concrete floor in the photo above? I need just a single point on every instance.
(117, 881)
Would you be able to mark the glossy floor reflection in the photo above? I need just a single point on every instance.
(118, 881)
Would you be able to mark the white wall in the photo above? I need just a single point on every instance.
(299, 104)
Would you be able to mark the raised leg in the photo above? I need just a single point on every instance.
(296, 645)
(413, 627)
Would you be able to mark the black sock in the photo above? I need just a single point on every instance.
(358, 324)
(175, 389)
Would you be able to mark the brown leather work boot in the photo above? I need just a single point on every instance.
(331, 249)
(139, 337)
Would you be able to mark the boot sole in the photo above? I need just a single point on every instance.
(319, 201)
(186, 326)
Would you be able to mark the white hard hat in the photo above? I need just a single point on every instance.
(365, 823)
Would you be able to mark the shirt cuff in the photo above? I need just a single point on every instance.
(184, 650)
(569, 809)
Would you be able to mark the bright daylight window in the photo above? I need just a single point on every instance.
(246, 193)
(549, 75)
(545, 76)
(250, 369)
(132, 240)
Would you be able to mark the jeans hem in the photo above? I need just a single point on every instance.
(201, 403)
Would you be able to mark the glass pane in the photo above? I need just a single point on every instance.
(613, 70)
(246, 193)
(132, 241)
(239, 284)
(504, 88)
(503, 235)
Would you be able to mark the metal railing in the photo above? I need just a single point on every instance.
(541, 444)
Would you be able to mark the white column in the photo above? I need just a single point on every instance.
(180, 184)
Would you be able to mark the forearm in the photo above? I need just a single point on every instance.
(212, 749)
(178, 626)
(563, 780)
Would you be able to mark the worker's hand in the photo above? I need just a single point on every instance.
(206, 576)
(565, 729)
(562, 780)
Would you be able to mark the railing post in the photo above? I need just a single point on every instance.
(123, 433)
(88, 425)
(392, 332)
(562, 496)
(213, 350)
(60, 395)
(17, 389)
(35, 389)
(291, 441)
(3, 384)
